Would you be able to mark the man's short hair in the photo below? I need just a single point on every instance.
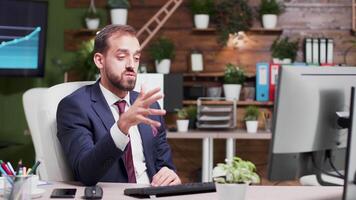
(101, 45)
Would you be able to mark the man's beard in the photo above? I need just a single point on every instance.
(120, 83)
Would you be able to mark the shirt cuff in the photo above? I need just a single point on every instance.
(120, 139)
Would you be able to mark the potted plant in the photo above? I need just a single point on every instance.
(232, 178)
(162, 50)
(118, 11)
(192, 116)
(269, 11)
(182, 120)
(83, 64)
(92, 18)
(201, 10)
(231, 17)
(234, 77)
(284, 51)
(251, 119)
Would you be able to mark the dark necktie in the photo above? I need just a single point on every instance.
(130, 169)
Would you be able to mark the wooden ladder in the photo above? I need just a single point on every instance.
(146, 33)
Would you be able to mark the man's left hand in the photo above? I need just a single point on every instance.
(165, 176)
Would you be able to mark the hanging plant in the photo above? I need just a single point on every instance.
(231, 16)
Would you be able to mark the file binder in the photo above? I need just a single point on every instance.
(315, 51)
(308, 51)
(273, 72)
(262, 81)
(322, 50)
(330, 51)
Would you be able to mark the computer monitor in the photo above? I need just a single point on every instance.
(305, 130)
(350, 168)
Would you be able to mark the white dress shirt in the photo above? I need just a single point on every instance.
(121, 140)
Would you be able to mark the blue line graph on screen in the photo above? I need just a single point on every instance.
(19, 51)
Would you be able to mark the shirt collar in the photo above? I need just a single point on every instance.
(111, 98)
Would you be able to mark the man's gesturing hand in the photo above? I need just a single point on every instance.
(165, 176)
(139, 111)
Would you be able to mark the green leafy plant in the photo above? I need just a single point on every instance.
(182, 113)
(118, 4)
(162, 48)
(83, 63)
(231, 16)
(236, 171)
(91, 14)
(201, 6)
(192, 112)
(270, 7)
(233, 74)
(283, 48)
(252, 113)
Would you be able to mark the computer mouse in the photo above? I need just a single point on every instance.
(93, 192)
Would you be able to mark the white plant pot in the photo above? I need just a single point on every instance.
(163, 66)
(92, 24)
(282, 61)
(269, 21)
(118, 16)
(232, 91)
(214, 91)
(231, 191)
(251, 126)
(182, 125)
(201, 21)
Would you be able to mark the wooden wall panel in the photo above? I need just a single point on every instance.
(181, 19)
(103, 3)
(302, 18)
(316, 18)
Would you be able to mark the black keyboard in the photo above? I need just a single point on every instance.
(187, 188)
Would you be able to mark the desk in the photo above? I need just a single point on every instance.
(116, 191)
(208, 144)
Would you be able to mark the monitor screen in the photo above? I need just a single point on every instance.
(23, 26)
(305, 120)
(350, 167)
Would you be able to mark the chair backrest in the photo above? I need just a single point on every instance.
(31, 102)
(53, 160)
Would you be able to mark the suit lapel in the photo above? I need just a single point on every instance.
(101, 107)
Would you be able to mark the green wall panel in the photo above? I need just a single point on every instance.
(12, 119)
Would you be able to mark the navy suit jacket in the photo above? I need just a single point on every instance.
(84, 120)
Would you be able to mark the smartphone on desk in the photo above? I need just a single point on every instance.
(63, 193)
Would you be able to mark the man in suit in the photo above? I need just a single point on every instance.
(109, 132)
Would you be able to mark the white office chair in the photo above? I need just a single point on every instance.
(54, 163)
(31, 102)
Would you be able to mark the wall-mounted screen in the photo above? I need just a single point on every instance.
(23, 25)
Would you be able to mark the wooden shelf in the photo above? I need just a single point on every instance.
(265, 31)
(205, 30)
(204, 74)
(74, 38)
(202, 84)
(252, 30)
(239, 103)
(213, 74)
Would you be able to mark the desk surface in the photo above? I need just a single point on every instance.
(220, 134)
(116, 190)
